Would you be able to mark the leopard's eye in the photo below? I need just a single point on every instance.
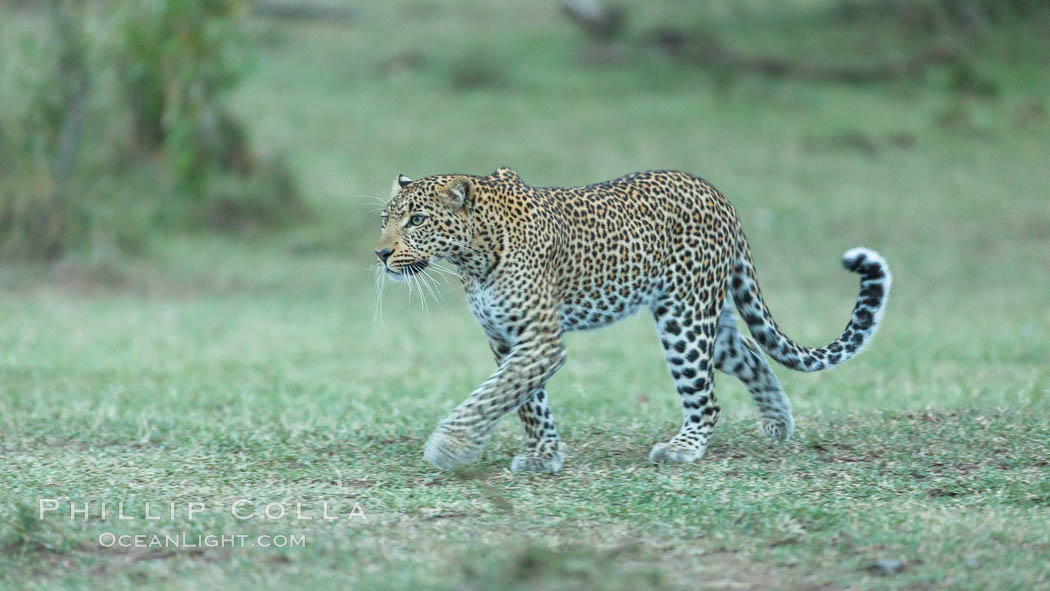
(416, 220)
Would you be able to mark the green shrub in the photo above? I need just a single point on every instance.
(36, 213)
(120, 129)
(33, 224)
(174, 60)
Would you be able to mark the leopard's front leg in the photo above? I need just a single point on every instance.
(536, 356)
(544, 451)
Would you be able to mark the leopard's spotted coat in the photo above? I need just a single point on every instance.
(538, 261)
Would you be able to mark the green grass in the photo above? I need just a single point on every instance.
(220, 369)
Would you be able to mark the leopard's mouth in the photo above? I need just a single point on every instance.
(407, 270)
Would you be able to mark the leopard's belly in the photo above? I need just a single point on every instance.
(600, 307)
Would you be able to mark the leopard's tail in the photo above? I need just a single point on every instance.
(875, 280)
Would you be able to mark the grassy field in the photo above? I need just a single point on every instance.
(212, 370)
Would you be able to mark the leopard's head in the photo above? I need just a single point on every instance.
(424, 221)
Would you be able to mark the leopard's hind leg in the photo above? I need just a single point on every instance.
(687, 333)
(739, 356)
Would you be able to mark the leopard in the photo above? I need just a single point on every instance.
(539, 262)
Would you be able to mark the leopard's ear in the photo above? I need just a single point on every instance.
(505, 173)
(460, 190)
(400, 182)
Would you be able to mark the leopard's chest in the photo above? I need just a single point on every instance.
(491, 311)
(501, 317)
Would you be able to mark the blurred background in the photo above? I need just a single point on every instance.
(126, 125)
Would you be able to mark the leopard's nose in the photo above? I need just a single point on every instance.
(383, 255)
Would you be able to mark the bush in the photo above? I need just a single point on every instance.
(122, 130)
(35, 208)
(174, 60)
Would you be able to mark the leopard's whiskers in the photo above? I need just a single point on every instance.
(416, 283)
(377, 295)
(430, 283)
(465, 247)
(442, 271)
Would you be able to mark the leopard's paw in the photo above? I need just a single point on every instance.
(447, 449)
(548, 462)
(672, 452)
(778, 428)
